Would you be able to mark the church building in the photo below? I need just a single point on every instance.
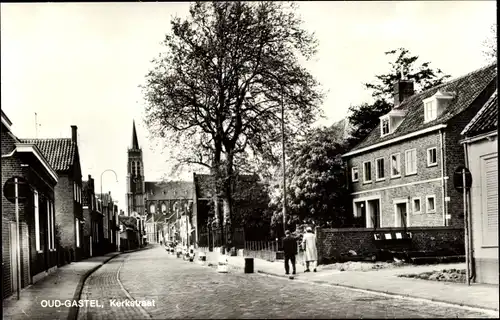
(166, 205)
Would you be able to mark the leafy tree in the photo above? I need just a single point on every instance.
(490, 44)
(316, 175)
(365, 117)
(218, 89)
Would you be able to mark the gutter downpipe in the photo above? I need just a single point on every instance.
(469, 261)
(443, 187)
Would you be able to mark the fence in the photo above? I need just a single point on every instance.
(213, 238)
(266, 250)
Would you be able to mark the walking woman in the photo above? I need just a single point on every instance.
(309, 245)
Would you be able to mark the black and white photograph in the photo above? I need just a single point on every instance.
(249, 159)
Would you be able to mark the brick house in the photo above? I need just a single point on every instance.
(38, 255)
(93, 217)
(399, 175)
(63, 156)
(110, 222)
(481, 156)
(129, 233)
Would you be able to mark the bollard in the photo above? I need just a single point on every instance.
(248, 265)
(222, 266)
(202, 258)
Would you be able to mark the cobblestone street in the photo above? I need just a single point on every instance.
(181, 289)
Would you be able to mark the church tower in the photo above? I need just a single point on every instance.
(135, 177)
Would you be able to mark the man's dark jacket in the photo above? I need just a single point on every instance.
(289, 246)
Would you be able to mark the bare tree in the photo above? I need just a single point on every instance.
(218, 89)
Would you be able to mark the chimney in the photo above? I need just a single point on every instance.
(73, 133)
(402, 90)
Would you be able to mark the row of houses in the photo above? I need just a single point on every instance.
(401, 174)
(58, 218)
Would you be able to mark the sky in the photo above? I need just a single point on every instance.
(81, 64)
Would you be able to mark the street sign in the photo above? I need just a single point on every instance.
(458, 180)
(23, 189)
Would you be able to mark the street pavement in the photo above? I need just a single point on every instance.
(62, 285)
(477, 296)
(182, 289)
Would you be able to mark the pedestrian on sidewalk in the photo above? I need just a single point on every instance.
(290, 250)
(309, 245)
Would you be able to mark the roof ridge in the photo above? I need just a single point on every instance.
(45, 139)
(488, 104)
(453, 80)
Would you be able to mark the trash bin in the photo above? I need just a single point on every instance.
(248, 265)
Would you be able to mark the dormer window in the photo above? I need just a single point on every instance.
(430, 111)
(385, 126)
(435, 106)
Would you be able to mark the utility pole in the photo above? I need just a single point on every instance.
(283, 151)
(466, 223)
(36, 126)
(18, 239)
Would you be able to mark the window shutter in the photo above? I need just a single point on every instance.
(490, 201)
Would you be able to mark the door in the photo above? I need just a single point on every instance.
(401, 218)
(489, 193)
(373, 220)
(13, 256)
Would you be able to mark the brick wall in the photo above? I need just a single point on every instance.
(405, 186)
(421, 143)
(6, 274)
(332, 244)
(455, 153)
(65, 217)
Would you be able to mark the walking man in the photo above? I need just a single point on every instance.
(309, 245)
(290, 250)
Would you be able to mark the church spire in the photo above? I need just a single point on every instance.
(135, 142)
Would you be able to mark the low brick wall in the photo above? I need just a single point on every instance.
(333, 244)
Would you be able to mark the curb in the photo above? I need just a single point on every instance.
(388, 293)
(73, 311)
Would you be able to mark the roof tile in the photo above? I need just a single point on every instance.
(59, 152)
(486, 119)
(466, 88)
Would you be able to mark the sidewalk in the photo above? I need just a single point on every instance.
(386, 281)
(63, 284)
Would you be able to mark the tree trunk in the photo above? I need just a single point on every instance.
(216, 173)
(228, 198)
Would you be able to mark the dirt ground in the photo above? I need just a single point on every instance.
(362, 266)
(448, 275)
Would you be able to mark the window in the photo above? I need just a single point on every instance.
(385, 126)
(74, 190)
(411, 161)
(431, 204)
(396, 165)
(380, 169)
(164, 208)
(53, 225)
(430, 111)
(367, 171)
(77, 227)
(152, 208)
(355, 174)
(431, 157)
(37, 221)
(138, 168)
(417, 208)
(49, 225)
